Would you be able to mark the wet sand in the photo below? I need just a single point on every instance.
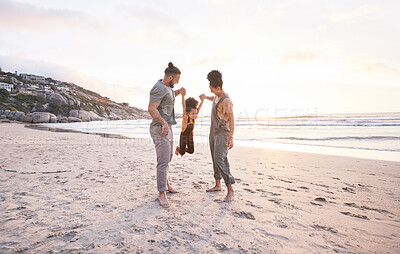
(77, 193)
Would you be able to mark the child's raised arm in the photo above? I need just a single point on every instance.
(202, 97)
(183, 102)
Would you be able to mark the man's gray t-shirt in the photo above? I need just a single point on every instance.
(165, 96)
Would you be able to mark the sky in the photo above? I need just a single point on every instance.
(276, 57)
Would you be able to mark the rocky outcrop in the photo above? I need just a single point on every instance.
(36, 117)
(53, 118)
(72, 119)
(119, 114)
(28, 118)
(64, 119)
(43, 117)
(73, 100)
(19, 116)
(58, 99)
(10, 116)
(85, 116)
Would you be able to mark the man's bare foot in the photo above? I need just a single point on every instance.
(215, 188)
(170, 189)
(177, 150)
(162, 199)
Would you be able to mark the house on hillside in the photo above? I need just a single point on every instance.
(32, 77)
(8, 87)
(25, 89)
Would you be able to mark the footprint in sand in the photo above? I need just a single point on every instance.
(329, 229)
(251, 191)
(348, 189)
(367, 208)
(220, 246)
(320, 201)
(64, 235)
(246, 215)
(356, 215)
(275, 200)
(220, 232)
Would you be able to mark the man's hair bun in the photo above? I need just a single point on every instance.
(172, 70)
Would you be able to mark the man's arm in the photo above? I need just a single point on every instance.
(157, 117)
(179, 91)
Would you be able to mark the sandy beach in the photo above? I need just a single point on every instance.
(76, 193)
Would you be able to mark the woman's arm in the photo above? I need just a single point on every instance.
(211, 98)
(232, 130)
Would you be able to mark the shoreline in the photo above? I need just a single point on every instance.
(316, 149)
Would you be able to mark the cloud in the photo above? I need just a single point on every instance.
(296, 57)
(148, 16)
(379, 70)
(213, 61)
(265, 10)
(362, 12)
(156, 35)
(29, 17)
(151, 25)
(115, 92)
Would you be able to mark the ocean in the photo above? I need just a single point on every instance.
(368, 135)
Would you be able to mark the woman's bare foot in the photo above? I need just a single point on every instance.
(162, 199)
(229, 197)
(215, 188)
(170, 189)
(177, 150)
(231, 194)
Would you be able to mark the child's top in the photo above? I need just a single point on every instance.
(187, 121)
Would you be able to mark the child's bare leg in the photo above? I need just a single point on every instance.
(217, 186)
(231, 195)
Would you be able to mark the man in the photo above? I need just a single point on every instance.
(161, 109)
(221, 134)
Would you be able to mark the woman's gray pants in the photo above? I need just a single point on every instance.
(219, 155)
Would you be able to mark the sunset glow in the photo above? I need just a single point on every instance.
(286, 56)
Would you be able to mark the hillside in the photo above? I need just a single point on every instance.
(29, 94)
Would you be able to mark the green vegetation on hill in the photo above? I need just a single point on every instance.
(58, 109)
(21, 102)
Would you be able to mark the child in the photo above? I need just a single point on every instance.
(190, 111)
